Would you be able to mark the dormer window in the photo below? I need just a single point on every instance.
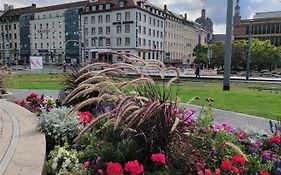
(94, 8)
(107, 6)
(101, 7)
(122, 3)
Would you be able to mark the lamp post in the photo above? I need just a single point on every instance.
(249, 51)
(228, 46)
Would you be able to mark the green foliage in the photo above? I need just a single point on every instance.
(255, 165)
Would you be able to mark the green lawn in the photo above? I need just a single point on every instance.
(250, 98)
(36, 81)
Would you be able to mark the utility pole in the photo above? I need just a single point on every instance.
(249, 51)
(228, 47)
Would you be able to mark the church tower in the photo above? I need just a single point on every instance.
(237, 16)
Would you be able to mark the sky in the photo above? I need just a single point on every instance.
(215, 9)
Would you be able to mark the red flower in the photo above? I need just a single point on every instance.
(86, 164)
(264, 173)
(241, 135)
(235, 170)
(275, 139)
(33, 95)
(134, 167)
(200, 165)
(217, 171)
(208, 172)
(226, 165)
(159, 158)
(238, 160)
(200, 173)
(114, 169)
(86, 117)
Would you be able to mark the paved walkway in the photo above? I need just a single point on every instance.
(22, 146)
(238, 120)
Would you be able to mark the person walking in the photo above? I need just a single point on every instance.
(197, 72)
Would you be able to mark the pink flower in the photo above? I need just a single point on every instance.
(100, 171)
(134, 167)
(208, 172)
(86, 164)
(114, 169)
(159, 158)
(264, 173)
(217, 171)
(200, 173)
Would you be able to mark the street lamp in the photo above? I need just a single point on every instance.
(228, 47)
(249, 51)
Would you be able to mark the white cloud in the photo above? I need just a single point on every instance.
(219, 29)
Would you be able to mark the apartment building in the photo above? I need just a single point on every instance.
(10, 33)
(51, 28)
(123, 26)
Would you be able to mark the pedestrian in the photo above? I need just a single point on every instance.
(197, 72)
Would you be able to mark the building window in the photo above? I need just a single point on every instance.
(162, 25)
(86, 20)
(149, 20)
(47, 25)
(100, 31)
(119, 42)
(127, 41)
(86, 43)
(35, 36)
(54, 45)
(157, 34)
(100, 19)
(118, 29)
(41, 35)
(144, 30)
(59, 24)
(86, 31)
(94, 42)
(41, 26)
(139, 28)
(53, 24)
(100, 41)
(41, 44)
(158, 23)
(139, 16)
(144, 42)
(107, 6)
(139, 41)
(127, 28)
(153, 33)
(93, 20)
(107, 42)
(121, 3)
(144, 17)
(108, 30)
(15, 36)
(107, 18)
(35, 45)
(15, 27)
(127, 15)
(93, 31)
(149, 32)
(54, 34)
(118, 17)
(154, 22)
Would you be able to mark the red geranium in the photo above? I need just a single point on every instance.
(264, 173)
(86, 164)
(114, 169)
(85, 117)
(159, 158)
(238, 160)
(234, 169)
(275, 139)
(226, 165)
(134, 167)
(33, 95)
(217, 171)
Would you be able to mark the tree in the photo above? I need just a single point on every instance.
(218, 55)
(239, 55)
(200, 52)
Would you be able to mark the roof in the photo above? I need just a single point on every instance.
(18, 11)
(275, 14)
(60, 6)
(114, 3)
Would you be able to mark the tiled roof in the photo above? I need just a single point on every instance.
(114, 3)
(18, 11)
(60, 6)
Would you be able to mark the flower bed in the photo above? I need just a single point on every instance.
(120, 131)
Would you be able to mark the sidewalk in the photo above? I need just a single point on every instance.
(22, 146)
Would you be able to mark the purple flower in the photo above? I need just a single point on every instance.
(218, 127)
(228, 127)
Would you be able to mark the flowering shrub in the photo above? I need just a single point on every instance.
(36, 103)
(63, 161)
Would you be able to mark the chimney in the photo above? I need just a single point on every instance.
(6, 7)
(165, 8)
(33, 5)
(185, 16)
(11, 7)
